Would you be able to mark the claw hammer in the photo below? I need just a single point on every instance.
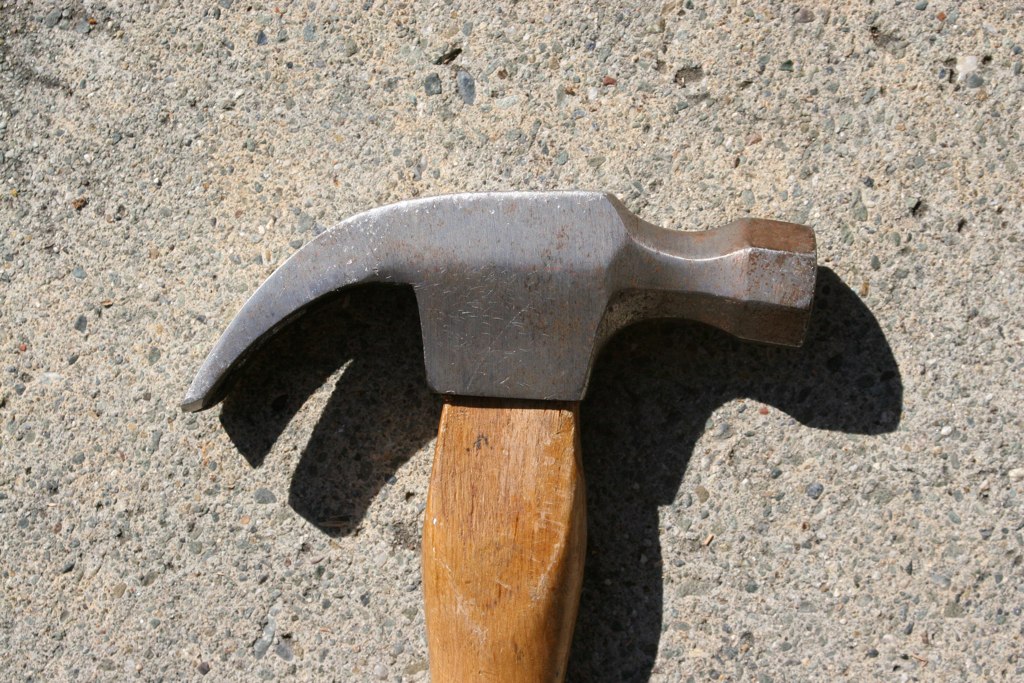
(516, 293)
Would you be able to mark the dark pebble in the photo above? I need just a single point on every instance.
(775, 473)
(264, 497)
(81, 322)
(815, 490)
(284, 651)
(466, 86)
(261, 38)
(872, 653)
(432, 84)
(203, 668)
(78, 272)
(68, 566)
(975, 81)
(51, 19)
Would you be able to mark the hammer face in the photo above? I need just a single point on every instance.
(514, 289)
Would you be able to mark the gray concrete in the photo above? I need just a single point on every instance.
(853, 509)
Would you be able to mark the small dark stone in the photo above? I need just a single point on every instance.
(975, 81)
(51, 19)
(751, 587)
(432, 84)
(284, 651)
(68, 566)
(81, 322)
(921, 6)
(875, 263)
(264, 497)
(872, 653)
(203, 668)
(78, 273)
(815, 490)
(466, 87)
(775, 473)
(786, 65)
(908, 629)
(261, 39)
(804, 16)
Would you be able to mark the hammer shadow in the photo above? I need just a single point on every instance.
(653, 389)
(379, 414)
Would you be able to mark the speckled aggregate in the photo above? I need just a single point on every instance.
(854, 509)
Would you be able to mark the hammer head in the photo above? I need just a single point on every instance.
(517, 291)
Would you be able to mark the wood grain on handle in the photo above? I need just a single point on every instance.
(503, 541)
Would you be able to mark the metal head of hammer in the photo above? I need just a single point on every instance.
(516, 293)
(517, 290)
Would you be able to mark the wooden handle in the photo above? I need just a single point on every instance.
(503, 541)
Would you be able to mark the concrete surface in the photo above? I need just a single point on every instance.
(850, 510)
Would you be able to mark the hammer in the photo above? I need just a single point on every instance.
(516, 293)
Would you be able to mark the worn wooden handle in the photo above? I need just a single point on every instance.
(503, 541)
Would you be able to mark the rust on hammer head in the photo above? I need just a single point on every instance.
(518, 290)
